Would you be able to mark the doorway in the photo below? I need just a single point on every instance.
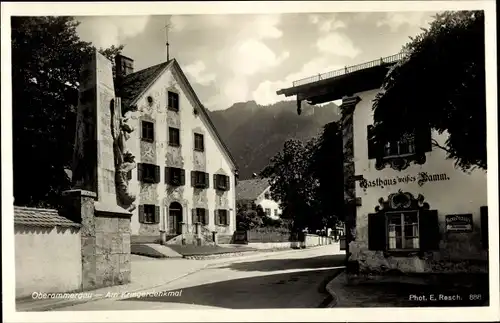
(175, 218)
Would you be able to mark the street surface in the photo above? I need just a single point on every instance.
(277, 280)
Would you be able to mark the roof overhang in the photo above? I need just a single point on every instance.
(336, 88)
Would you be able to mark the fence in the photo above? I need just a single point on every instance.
(269, 235)
(350, 69)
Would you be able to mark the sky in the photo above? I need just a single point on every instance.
(239, 57)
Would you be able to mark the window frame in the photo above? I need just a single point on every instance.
(173, 101)
(146, 170)
(266, 211)
(221, 182)
(177, 131)
(410, 145)
(201, 213)
(223, 213)
(198, 137)
(146, 214)
(147, 134)
(388, 214)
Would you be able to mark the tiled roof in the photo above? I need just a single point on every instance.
(250, 189)
(41, 218)
(134, 84)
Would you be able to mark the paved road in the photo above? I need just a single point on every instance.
(289, 280)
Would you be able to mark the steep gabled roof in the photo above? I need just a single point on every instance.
(136, 84)
(250, 189)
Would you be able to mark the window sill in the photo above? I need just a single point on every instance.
(172, 109)
(173, 145)
(147, 140)
(148, 181)
(200, 186)
(199, 150)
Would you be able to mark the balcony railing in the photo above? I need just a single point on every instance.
(350, 69)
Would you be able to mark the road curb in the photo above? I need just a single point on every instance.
(334, 284)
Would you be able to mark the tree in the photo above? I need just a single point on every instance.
(291, 183)
(440, 83)
(326, 165)
(47, 55)
(247, 218)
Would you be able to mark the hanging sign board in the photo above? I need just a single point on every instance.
(459, 223)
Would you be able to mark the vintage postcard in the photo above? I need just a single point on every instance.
(294, 161)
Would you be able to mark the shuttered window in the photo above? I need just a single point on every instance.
(222, 217)
(403, 230)
(200, 215)
(221, 182)
(149, 214)
(200, 179)
(415, 143)
(148, 173)
(175, 176)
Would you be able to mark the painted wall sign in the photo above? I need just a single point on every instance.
(421, 178)
(459, 223)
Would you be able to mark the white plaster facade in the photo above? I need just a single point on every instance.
(268, 203)
(458, 193)
(217, 159)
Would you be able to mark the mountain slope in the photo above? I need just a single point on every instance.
(255, 133)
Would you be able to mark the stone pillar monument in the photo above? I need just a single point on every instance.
(100, 199)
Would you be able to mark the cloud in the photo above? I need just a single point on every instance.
(104, 31)
(197, 71)
(396, 20)
(266, 91)
(328, 23)
(337, 44)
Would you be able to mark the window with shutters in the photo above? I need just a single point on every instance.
(221, 182)
(402, 230)
(174, 137)
(149, 213)
(148, 131)
(173, 101)
(148, 173)
(268, 212)
(199, 145)
(175, 176)
(222, 217)
(201, 216)
(409, 145)
(199, 179)
(275, 212)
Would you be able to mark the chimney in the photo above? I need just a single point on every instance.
(124, 66)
